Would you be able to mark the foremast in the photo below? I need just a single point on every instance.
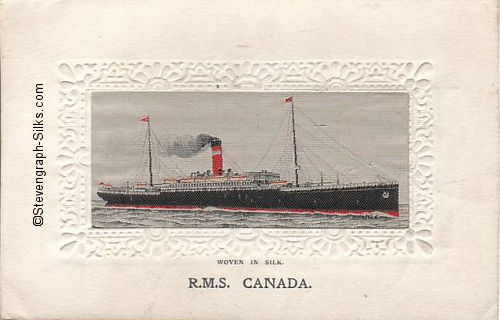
(296, 162)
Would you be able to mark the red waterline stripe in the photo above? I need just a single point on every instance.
(298, 211)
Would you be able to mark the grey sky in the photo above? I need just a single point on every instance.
(374, 126)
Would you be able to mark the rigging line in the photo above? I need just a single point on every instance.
(229, 158)
(160, 165)
(326, 143)
(313, 166)
(144, 163)
(340, 144)
(289, 151)
(140, 176)
(287, 118)
(322, 142)
(288, 139)
(144, 159)
(303, 150)
(283, 151)
(325, 162)
(159, 149)
(329, 136)
(280, 163)
(163, 147)
(305, 168)
(273, 138)
(368, 165)
(287, 166)
(321, 159)
(306, 154)
(333, 168)
(144, 143)
(305, 173)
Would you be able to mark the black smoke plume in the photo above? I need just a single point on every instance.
(185, 146)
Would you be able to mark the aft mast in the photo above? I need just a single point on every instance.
(146, 119)
(290, 99)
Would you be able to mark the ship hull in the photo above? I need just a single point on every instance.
(355, 200)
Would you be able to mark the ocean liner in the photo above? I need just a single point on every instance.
(254, 191)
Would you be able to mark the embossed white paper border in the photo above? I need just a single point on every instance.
(77, 79)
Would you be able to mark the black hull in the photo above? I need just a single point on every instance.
(382, 198)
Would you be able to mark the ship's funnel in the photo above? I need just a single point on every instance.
(216, 145)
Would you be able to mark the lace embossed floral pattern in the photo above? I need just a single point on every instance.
(79, 78)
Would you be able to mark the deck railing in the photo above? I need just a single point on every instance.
(329, 186)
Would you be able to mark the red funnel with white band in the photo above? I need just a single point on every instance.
(216, 157)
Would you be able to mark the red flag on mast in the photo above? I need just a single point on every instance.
(145, 119)
(288, 99)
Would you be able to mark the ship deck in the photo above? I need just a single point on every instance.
(156, 190)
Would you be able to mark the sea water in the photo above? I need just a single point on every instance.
(105, 217)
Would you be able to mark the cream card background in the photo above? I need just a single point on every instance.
(458, 280)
